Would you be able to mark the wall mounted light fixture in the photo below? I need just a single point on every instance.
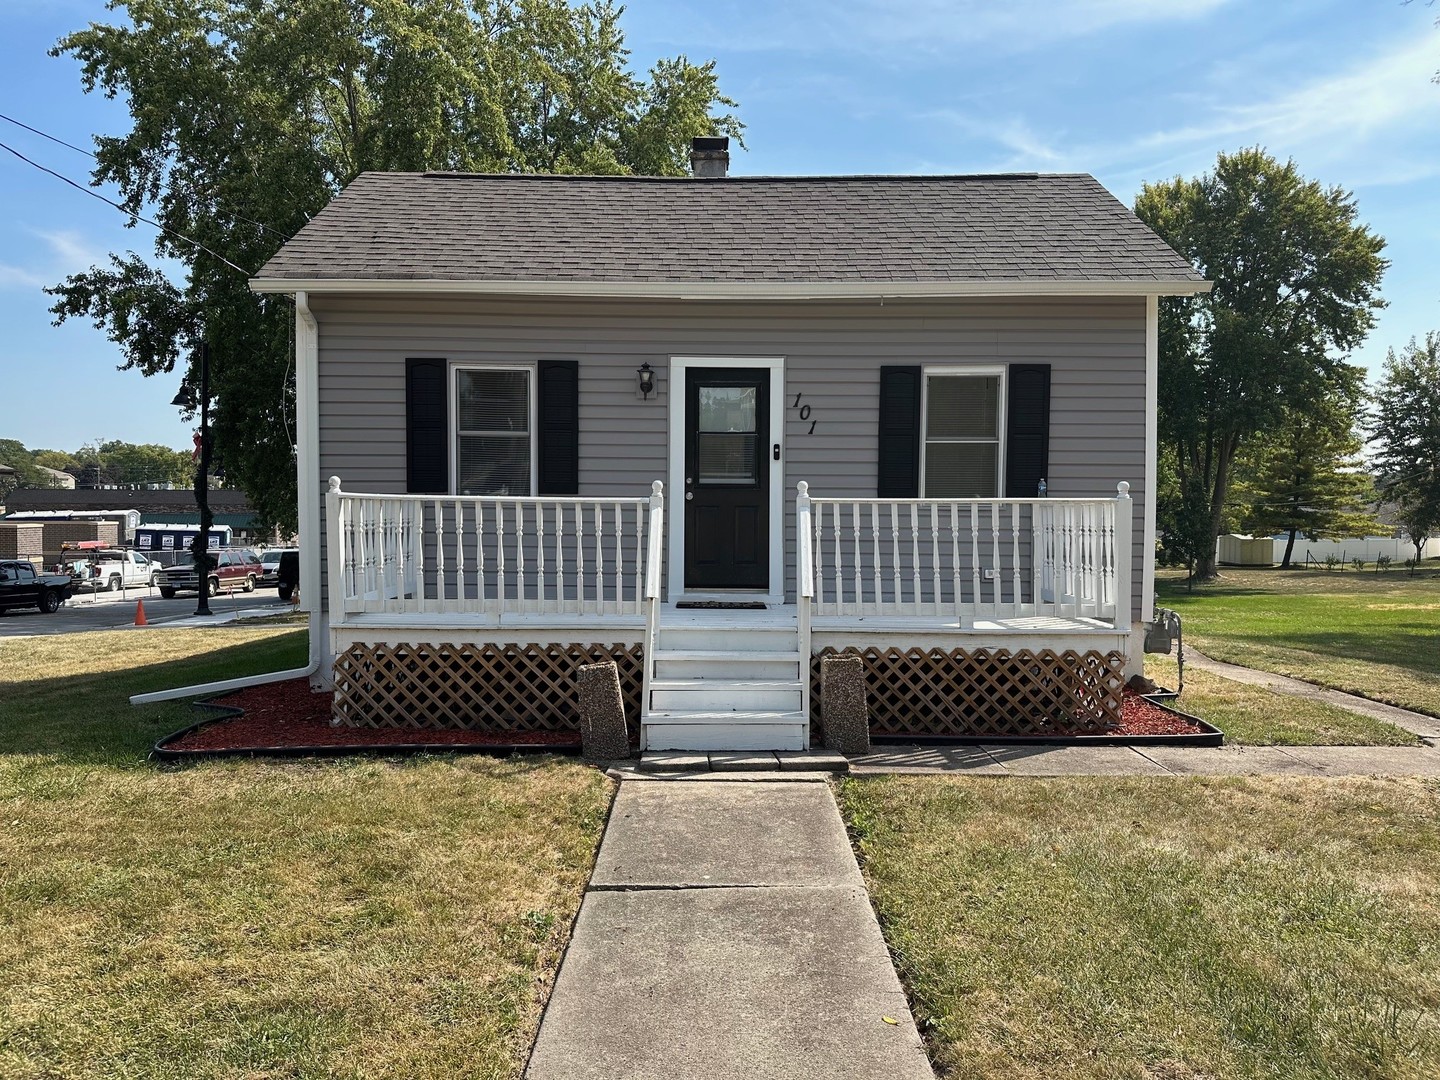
(646, 375)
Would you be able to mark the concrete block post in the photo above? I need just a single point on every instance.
(602, 713)
(844, 711)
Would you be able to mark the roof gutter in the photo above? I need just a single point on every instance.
(734, 290)
(307, 386)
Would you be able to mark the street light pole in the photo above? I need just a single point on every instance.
(200, 549)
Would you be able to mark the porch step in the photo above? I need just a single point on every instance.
(711, 664)
(727, 639)
(727, 695)
(757, 730)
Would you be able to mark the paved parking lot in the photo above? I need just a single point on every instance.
(114, 611)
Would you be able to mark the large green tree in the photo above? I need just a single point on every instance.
(249, 115)
(1296, 286)
(1405, 427)
(1305, 476)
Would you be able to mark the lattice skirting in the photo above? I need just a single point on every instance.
(500, 688)
(984, 691)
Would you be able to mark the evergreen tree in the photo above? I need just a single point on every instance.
(1405, 427)
(1305, 477)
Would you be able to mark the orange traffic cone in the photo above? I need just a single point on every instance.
(140, 613)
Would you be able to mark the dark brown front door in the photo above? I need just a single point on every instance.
(727, 478)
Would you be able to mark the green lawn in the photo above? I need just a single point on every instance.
(1134, 929)
(1254, 716)
(258, 918)
(1377, 635)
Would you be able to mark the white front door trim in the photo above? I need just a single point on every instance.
(679, 367)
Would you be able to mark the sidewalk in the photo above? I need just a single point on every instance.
(726, 933)
(1427, 727)
(1010, 760)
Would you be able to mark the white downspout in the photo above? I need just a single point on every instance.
(307, 421)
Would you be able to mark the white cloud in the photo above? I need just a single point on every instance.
(64, 252)
(1378, 120)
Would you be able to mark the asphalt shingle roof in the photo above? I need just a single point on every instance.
(857, 229)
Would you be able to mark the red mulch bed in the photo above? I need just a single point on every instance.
(1141, 717)
(288, 714)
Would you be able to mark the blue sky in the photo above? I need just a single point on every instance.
(1130, 90)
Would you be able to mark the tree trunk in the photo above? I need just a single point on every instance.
(1205, 560)
(1289, 548)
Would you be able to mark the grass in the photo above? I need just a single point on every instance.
(1377, 635)
(1103, 929)
(1254, 716)
(257, 918)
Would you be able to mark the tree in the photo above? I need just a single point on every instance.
(27, 472)
(248, 118)
(1405, 427)
(130, 464)
(1305, 476)
(1296, 284)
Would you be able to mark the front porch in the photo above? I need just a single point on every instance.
(994, 616)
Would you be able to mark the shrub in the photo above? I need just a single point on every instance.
(1382, 562)
(1358, 564)
(1332, 562)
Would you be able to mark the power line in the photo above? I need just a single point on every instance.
(91, 154)
(128, 213)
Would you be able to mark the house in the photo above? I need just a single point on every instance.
(718, 428)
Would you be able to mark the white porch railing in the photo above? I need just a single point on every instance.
(969, 558)
(478, 555)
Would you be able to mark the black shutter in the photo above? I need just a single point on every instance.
(558, 410)
(1027, 430)
(427, 427)
(899, 449)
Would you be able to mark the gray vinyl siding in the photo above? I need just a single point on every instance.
(832, 351)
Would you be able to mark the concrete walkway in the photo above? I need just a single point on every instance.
(726, 932)
(1427, 727)
(997, 760)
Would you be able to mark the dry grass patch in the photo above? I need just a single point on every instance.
(1258, 717)
(256, 918)
(1225, 928)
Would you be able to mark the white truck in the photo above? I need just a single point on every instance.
(109, 569)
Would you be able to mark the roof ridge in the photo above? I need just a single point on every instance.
(781, 179)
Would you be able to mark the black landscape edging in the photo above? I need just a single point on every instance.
(1208, 735)
(162, 751)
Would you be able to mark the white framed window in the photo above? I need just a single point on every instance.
(492, 416)
(962, 451)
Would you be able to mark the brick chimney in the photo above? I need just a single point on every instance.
(710, 156)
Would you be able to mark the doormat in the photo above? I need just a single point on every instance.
(724, 605)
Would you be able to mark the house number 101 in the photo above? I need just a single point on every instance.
(804, 414)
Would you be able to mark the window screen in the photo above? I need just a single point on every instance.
(492, 408)
(962, 437)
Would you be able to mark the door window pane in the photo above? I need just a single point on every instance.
(493, 436)
(726, 457)
(727, 408)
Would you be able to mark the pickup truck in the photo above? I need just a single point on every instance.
(20, 587)
(109, 569)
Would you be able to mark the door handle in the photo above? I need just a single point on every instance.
(689, 495)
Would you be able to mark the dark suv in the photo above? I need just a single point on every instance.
(230, 567)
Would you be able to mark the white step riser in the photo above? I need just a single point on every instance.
(666, 736)
(701, 698)
(704, 637)
(739, 668)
